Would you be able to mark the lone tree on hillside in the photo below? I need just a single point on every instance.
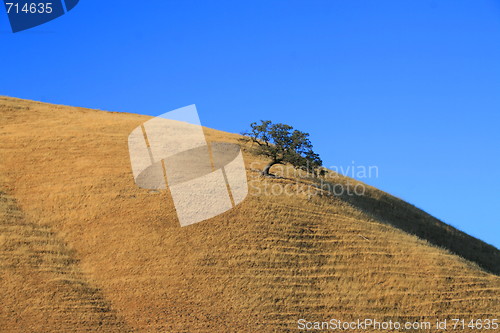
(283, 144)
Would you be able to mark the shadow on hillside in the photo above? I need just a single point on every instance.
(35, 260)
(400, 214)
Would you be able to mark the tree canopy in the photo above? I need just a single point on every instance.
(283, 144)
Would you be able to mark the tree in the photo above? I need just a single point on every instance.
(283, 144)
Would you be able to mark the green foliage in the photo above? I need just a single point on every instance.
(284, 144)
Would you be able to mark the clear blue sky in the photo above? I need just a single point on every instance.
(411, 86)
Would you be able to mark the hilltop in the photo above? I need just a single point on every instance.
(83, 248)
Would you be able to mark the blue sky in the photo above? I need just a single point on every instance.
(412, 87)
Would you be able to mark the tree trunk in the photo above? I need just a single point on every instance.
(265, 172)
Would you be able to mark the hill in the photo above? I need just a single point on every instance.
(83, 248)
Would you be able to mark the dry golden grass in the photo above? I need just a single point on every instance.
(83, 248)
(42, 287)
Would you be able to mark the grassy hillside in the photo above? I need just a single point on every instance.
(43, 288)
(71, 212)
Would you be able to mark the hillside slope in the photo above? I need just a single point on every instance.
(42, 287)
(259, 267)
